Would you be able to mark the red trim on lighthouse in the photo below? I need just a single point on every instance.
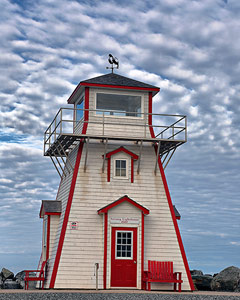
(109, 169)
(122, 149)
(170, 201)
(125, 87)
(132, 171)
(105, 251)
(48, 237)
(142, 260)
(70, 196)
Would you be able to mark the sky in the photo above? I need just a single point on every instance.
(188, 48)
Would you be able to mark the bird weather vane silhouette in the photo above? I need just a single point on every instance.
(113, 61)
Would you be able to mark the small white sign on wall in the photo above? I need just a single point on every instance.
(125, 220)
(73, 225)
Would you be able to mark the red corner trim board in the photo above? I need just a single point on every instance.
(170, 201)
(70, 197)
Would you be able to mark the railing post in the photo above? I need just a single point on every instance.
(103, 122)
(61, 122)
(55, 125)
(173, 132)
(185, 128)
(145, 126)
(50, 132)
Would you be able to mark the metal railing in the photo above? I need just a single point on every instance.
(65, 123)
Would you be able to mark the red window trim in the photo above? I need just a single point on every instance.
(120, 149)
(169, 198)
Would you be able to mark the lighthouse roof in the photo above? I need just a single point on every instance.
(113, 80)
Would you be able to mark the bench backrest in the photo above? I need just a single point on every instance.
(160, 269)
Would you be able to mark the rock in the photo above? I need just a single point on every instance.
(227, 280)
(11, 284)
(1, 281)
(6, 274)
(202, 282)
(196, 272)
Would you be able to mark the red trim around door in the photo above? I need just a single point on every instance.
(70, 196)
(105, 251)
(170, 201)
(142, 260)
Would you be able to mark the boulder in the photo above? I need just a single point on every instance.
(11, 284)
(202, 282)
(227, 280)
(6, 274)
(1, 281)
(196, 272)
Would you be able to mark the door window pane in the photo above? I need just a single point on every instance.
(124, 244)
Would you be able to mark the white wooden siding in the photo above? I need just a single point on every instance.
(62, 196)
(84, 247)
(54, 222)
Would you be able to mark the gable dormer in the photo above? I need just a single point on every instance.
(121, 164)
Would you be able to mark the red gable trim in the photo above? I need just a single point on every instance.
(122, 149)
(121, 200)
(120, 86)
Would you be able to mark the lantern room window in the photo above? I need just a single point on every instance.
(119, 105)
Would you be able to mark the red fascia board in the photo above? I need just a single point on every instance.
(52, 213)
(122, 149)
(40, 213)
(125, 87)
(178, 218)
(121, 200)
(74, 92)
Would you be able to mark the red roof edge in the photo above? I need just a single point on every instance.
(122, 149)
(121, 200)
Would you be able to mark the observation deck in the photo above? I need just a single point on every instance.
(64, 132)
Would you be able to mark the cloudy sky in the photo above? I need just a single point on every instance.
(189, 48)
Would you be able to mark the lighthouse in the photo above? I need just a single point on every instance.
(113, 211)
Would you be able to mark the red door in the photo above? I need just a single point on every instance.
(124, 257)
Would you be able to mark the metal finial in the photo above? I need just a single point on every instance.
(113, 60)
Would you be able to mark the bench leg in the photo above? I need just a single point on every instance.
(175, 287)
(179, 287)
(149, 286)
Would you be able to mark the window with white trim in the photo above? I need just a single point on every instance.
(124, 244)
(119, 105)
(79, 106)
(120, 168)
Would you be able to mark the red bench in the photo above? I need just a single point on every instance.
(38, 277)
(162, 271)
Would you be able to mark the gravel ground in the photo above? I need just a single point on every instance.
(115, 296)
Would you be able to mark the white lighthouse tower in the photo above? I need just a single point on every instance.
(113, 211)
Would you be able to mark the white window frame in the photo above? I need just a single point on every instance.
(127, 168)
(81, 97)
(102, 91)
(124, 231)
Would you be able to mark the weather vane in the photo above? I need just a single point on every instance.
(113, 60)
